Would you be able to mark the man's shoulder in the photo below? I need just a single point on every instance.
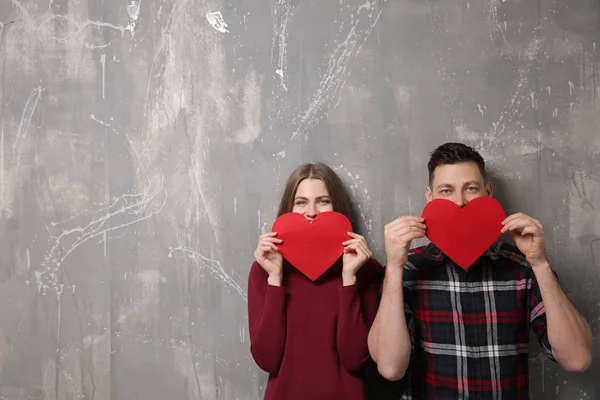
(419, 251)
(424, 256)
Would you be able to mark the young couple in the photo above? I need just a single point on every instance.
(454, 334)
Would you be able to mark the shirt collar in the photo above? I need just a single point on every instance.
(433, 253)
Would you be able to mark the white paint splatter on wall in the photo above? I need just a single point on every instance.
(133, 10)
(340, 64)
(68, 235)
(282, 13)
(215, 19)
(214, 267)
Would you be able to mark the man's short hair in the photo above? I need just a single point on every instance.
(455, 153)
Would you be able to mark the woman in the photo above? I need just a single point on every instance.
(311, 337)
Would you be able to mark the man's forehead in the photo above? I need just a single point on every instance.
(457, 183)
(458, 169)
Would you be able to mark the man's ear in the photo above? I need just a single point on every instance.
(489, 188)
(428, 194)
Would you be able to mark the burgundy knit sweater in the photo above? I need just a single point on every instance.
(311, 337)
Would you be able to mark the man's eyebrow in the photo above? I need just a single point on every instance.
(444, 185)
(476, 183)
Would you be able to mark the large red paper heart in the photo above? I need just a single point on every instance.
(312, 247)
(463, 234)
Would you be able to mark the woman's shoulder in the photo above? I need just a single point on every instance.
(257, 270)
(373, 264)
(371, 271)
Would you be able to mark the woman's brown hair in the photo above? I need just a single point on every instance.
(340, 199)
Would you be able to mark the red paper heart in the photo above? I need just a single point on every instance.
(312, 247)
(463, 234)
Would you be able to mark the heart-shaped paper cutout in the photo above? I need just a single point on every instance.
(464, 234)
(312, 247)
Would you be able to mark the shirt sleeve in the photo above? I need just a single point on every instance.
(537, 318)
(357, 309)
(266, 319)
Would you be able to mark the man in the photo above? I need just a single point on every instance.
(465, 333)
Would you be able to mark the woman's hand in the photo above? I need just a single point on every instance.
(269, 258)
(356, 253)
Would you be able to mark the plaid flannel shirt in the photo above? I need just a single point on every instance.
(470, 329)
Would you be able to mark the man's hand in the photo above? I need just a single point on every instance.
(528, 234)
(398, 236)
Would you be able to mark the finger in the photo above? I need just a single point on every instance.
(358, 237)
(406, 236)
(403, 219)
(520, 224)
(268, 234)
(510, 227)
(512, 217)
(415, 235)
(264, 251)
(362, 241)
(350, 248)
(519, 216)
(407, 230)
(415, 224)
(365, 249)
(260, 254)
(530, 230)
(517, 224)
(399, 223)
(355, 246)
(269, 247)
(362, 250)
(354, 235)
(350, 241)
(520, 228)
(271, 240)
(411, 218)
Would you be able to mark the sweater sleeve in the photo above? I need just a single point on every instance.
(538, 316)
(266, 319)
(357, 309)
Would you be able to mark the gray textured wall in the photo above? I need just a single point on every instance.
(144, 144)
